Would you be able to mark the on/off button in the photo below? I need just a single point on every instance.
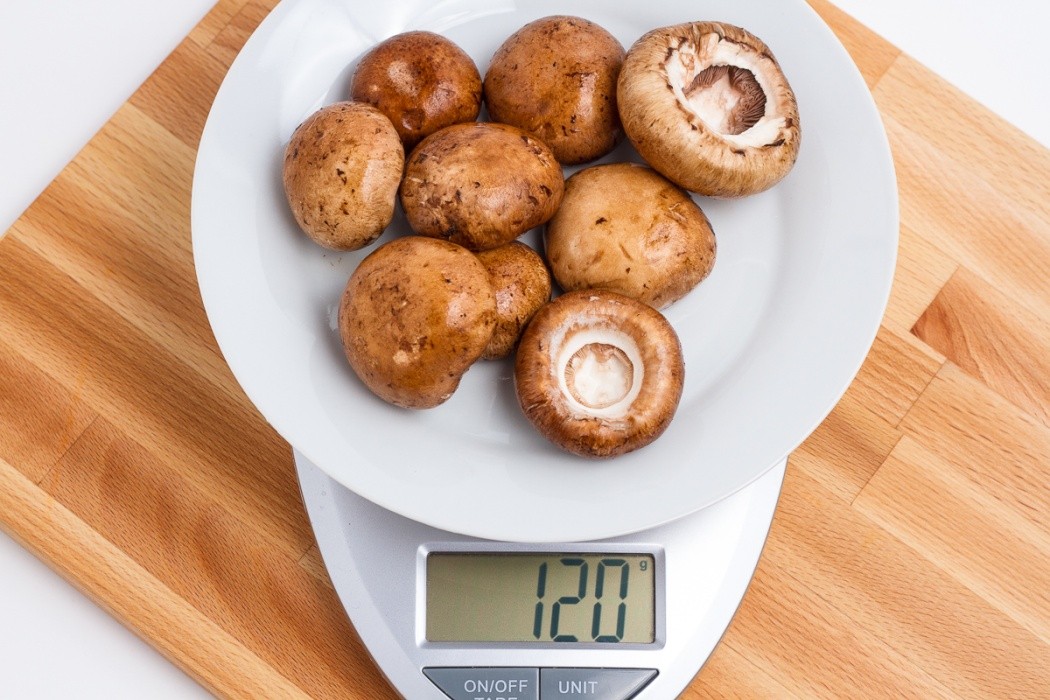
(486, 683)
(593, 683)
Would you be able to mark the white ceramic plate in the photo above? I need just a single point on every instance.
(771, 339)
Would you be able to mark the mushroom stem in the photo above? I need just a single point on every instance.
(600, 371)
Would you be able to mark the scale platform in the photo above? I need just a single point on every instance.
(448, 616)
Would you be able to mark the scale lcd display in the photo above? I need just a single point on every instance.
(544, 598)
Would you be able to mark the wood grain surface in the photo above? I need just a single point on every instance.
(910, 552)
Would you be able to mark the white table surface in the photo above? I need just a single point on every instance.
(66, 65)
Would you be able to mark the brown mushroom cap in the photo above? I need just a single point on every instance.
(522, 285)
(626, 228)
(416, 313)
(599, 374)
(480, 185)
(556, 78)
(421, 81)
(707, 106)
(342, 168)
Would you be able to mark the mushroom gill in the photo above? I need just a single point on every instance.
(727, 98)
(708, 107)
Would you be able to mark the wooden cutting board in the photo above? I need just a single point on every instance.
(910, 553)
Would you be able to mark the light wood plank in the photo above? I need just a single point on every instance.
(215, 21)
(870, 588)
(729, 674)
(314, 565)
(35, 433)
(999, 447)
(145, 282)
(846, 449)
(922, 270)
(980, 540)
(896, 370)
(117, 583)
(180, 92)
(141, 169)
(1003, 345)
(854, 440)
(968, 219)
(820, 616)
(227, 43)
(190, 541)
(966, 136)
(156, 397)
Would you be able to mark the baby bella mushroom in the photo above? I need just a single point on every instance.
(480, 185)
(342, 168)
(415, 315)
(599, 374)
(626, 228)
(422, 81)
(521, 284)
(556, 79)
(707, 106)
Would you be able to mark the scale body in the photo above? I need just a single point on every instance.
(702, 565)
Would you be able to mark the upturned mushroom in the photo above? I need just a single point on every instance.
(342, 168)
(415, 315)
(626, 228)
(599, 374)
(521, 284)
(556, 79)
(480, 185)
(422, 81)
(707, 105)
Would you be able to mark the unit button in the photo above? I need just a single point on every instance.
(593, 683)
(486, 683)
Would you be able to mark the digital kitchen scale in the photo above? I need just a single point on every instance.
(447, 616)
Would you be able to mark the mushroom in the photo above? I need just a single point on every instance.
(626, 228)
(707, 106)
(342, 168)
(421, 81)
(415, 315)
(599, 374)
(556, 79)
(480, 185)
(522, 285)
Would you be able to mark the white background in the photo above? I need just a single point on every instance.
(66, 65)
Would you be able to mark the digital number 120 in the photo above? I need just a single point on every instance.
(611, 581)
